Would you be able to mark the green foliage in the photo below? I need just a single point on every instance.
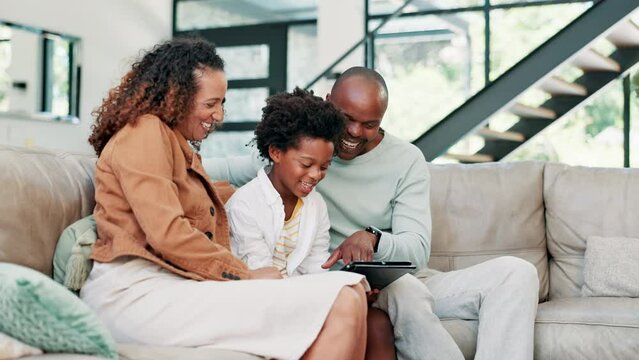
(606, 111)
(516, 32)
(634, 83)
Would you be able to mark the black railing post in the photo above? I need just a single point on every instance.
(626, 121)
(486, 42)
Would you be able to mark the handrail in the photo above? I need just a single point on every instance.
(541, 61)
(352, 48)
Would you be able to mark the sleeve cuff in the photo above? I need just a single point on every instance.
(384, 246)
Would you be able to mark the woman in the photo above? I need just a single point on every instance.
(163, 272)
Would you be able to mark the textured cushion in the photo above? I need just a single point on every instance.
(61, 356)
(11, 348)
(582, 202)
(42, 192)
(71, 260)
(611, 267)
(42, 313)
(483, 211)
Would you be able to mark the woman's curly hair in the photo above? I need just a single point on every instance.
(288, 117)
(163, 83)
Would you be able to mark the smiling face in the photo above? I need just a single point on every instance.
(362, 101)
(297, 170)
(208, 111)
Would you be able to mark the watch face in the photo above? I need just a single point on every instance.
(373, 230)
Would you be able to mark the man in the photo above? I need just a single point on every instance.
(377, 194)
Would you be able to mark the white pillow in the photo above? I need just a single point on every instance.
(611, 267)
(11, 348)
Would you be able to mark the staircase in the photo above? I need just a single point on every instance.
(573, 47)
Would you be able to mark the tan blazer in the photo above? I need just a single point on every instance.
(154, 200)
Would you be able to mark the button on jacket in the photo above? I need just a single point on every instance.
(256, 217)
(154, 201)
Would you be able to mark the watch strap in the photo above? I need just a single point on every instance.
(378, 234)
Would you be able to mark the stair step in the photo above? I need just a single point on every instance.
(501, 135)
(591, 60)
(474, 158)
(526, 111)
(625, 34)
(555, 85)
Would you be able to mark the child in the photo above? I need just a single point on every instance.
(278, 219)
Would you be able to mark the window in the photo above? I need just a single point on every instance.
(58, 93)
(38, 73)
(5, 61)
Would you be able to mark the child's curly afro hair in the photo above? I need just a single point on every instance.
(288, 117)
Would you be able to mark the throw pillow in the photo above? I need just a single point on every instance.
(71, 260)
(611, 267)
(39, 312)
(11, 348)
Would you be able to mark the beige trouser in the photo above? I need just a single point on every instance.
(501, 293)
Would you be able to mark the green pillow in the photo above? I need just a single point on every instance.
(71, 260)
(39, 312)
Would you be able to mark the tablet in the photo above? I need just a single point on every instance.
(380, 273)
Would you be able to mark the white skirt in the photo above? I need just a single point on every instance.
(142, 303)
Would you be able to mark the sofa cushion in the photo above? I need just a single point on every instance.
(144, 352)
(42, 313)
(587, 328)
(611, 267)
(582, 202)
(140, 352)
(42, 192)
(484, 211)
(464, 332)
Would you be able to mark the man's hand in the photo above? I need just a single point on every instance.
(357, 247)
(269, 272)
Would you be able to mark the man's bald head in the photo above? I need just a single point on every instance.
(365, 76)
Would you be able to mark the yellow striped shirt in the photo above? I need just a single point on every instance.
(288, 239)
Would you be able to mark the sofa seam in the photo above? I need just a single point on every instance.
(555, 322)
(488, 252)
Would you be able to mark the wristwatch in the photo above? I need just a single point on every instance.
(378, 234)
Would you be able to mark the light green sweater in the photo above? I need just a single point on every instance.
(388, 187)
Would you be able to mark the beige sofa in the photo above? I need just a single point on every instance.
(540, 212)
(42, 192)
(543, 213)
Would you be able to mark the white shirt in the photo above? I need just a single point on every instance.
(256, 219)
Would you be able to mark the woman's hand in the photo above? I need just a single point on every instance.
(269, 272)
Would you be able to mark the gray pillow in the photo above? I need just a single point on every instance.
(611, 267)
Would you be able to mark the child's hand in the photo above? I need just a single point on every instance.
(269, 272)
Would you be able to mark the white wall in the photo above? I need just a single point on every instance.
(340, 25)
(112, 31)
